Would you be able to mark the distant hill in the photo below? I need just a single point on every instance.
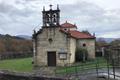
(11, 37)
(25, 37)
(15, 44)
(108, 40)
(22, 37)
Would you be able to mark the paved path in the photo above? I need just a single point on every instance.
(92, 75)
(110, 74)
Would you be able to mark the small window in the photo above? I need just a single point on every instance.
(84, 45)
(50, 40)
(65, 29)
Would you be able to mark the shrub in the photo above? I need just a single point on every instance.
(81, 54)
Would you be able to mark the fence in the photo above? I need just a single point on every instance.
(4, 75)
(12, 55)
(102, 67)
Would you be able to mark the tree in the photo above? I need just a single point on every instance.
(101, 43)
(81, 54)
(86, 31)
(12, 44)
(115, 42)
(2, 47)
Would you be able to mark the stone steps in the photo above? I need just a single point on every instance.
(49, 71)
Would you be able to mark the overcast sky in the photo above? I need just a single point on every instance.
(20, 17)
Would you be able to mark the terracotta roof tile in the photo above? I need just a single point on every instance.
(78, 35)
(68, 25)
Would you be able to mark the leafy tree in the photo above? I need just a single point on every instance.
(86, 31)
(12, 44)
(81, 54)
(115, 42)
(2, 47)
(100, 43)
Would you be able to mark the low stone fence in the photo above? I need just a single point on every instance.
(6, 75)
(12, 55)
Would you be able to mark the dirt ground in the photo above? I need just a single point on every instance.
(87, 77)
(90, 78)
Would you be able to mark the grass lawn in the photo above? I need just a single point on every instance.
(88, 65)
(25, 65)
(20, 65)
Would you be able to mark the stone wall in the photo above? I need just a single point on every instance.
(72, 50)
(90, 46)
(59, 42)
(52, 39)
(5, 75)
(14, 55)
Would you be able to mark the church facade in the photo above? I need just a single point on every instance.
(55, 44)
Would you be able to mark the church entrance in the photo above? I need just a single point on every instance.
(51, 58)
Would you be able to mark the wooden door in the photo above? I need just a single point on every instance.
(51, 56)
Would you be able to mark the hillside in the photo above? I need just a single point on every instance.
(108, 40)
(24, 37)
(15, 44)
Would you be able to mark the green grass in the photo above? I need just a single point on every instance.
(88, 65)
(20, 65)
(25, 65)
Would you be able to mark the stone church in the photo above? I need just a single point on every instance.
(55, 44)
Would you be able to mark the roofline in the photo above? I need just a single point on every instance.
(75, 37)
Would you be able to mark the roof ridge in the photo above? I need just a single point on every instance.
(79, 34)
(68, 25)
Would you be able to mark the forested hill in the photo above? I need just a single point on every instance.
(9, 36)
(15, 44)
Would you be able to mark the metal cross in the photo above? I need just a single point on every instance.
(51, 6)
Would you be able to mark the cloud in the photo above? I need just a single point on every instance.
(110, 34)
(22, 16)
(15, 20)
(92, 17)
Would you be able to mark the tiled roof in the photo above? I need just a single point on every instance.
(78, 35)
(68, 25)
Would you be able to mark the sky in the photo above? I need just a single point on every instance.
(21, 17)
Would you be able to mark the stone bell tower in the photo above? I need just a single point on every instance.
(51, 18)
(51, 45)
